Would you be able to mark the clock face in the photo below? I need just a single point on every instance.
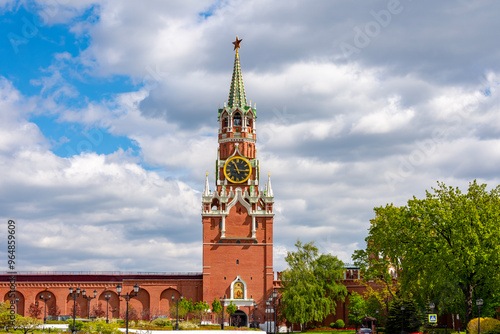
(237, 169)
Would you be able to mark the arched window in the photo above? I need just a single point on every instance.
(237, 119)
(224, 122)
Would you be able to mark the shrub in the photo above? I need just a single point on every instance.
(100, 327)
(78, 325)
(161, 322)
(141, 323)
(187, 325)
(339, 324)
(487, 324)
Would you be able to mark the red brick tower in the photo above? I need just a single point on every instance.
(238, 216)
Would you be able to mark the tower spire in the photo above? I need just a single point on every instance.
(269, 188)
(237, 97)
(206, 191)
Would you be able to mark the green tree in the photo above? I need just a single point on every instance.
(231, 308)
(216, 307)
(185, 307)
(311, 286)
(404, 315)
(26, 324)
(5, 315)
(200, 309)
(357, 309)
(443, 248)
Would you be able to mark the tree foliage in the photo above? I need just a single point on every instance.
(216, 306)
(407, 320)
(98, 311)
(200, 309)
(311, 285)
(231, 308)
(26, 324)
(5, 315)
(357, 309)
(443, 248)
(34, 311)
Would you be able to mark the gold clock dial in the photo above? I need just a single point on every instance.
(237, 169)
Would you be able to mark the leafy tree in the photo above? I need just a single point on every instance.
(231, 308)
(185, 307)
(5, 319)
(133, 315)
(26, 324)
(443, 248)
(200, 309)
(216, 307)
(98, 311)
(357, 309)
(311, 286)
(34, 311)
(54, 310)
(408, 319)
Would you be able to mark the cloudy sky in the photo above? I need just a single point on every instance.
(108, 118)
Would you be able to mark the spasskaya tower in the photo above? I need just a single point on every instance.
(238, 214)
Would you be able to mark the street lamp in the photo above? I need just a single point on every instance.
(268, 310)
(107, 296)
(89, 298)
(177, 302)
(74, 296)
(458, 321)
(356, 320)
(432, 306)
(127, 298)
(479, 303)
(255, 306)
(45, 298)
(402, 319)
(17, 305)
(273, 298)
(222, 313)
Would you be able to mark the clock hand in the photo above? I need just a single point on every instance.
(234, 163)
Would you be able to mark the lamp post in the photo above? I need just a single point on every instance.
(356, 320)
(107, 296)
(479, 303)
(268, 310)
(222, 313)
(127, 298)
(432, 306)
(89, 298)
(274, 297)
(402, 319)
(177, 302)
(255, 306)
(45, 298)
(17, 305)
(74, 296)
(458, 321)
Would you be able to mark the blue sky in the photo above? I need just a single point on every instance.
(29, 49)
(109, 118)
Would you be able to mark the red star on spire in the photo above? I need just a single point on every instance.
(237, 43)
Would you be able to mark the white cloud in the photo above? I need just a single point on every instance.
(412, 105)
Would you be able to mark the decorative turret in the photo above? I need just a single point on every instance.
(269, 188)
(206, 191)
